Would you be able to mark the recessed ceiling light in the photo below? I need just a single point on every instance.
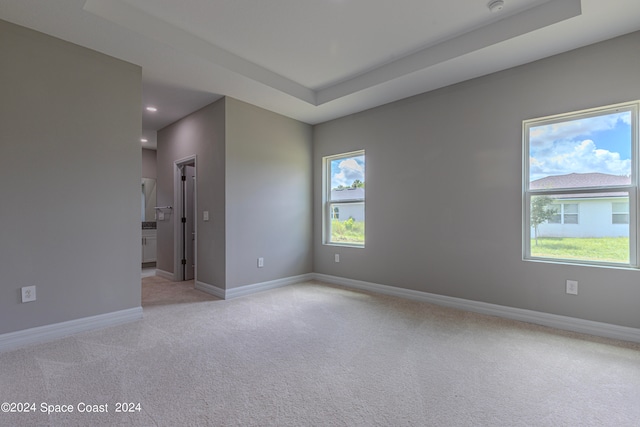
(152, 109)
(495, 5)
(144, 140)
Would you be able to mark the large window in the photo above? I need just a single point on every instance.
(580, 186)
(344, 190)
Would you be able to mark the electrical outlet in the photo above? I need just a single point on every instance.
(260, 262)
(337, 257)
(572, 287)
(28, 293)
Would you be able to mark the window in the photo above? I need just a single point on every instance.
(580, 173)
(335, 213)
(344, 199)
(565, 213)
(620, 213)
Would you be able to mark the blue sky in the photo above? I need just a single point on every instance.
(346, 170)
(595, 144)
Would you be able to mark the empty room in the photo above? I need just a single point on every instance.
(309, 213)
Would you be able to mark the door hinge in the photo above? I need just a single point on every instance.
(184, 177)
(184, 262)
(184, 220)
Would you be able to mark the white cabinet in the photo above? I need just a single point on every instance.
(149, 245)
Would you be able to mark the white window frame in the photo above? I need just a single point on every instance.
(632, 188)
(326, 198)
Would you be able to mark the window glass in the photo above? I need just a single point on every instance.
(592, 239)
(593, 151)
(570, 213)
(350, 229)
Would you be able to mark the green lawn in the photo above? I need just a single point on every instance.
(348, 231)
(606, 249)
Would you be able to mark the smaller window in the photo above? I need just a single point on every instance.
(565, 213)
(335, 213)
(344, 199)
(620, 213)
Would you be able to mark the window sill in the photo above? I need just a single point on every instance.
(344, 245)
(574, 263)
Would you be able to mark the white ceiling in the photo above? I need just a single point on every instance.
(316, 60)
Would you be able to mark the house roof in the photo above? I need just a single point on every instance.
(579, 180)
(582, 180)
(347, 194)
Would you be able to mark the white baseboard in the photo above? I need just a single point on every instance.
(259, 287)
(165, 274)
(546, 319)
(210, 289)
(46, 333)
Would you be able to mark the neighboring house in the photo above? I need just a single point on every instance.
(586, 215)
(345, 211)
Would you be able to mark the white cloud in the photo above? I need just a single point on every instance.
(348, 170)
(544, 137)
(566, 147)
(578, 157)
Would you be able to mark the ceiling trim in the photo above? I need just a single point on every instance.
(142, 23)
(509, 27)
(500, 30)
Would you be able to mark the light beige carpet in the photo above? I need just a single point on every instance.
(319, 355)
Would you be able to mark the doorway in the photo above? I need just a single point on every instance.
(185, 219)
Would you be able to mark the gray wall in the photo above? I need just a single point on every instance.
(69, 180)
(149, 160)
(254, 177)
(269, 205)
(202, 134)
(444, 190)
